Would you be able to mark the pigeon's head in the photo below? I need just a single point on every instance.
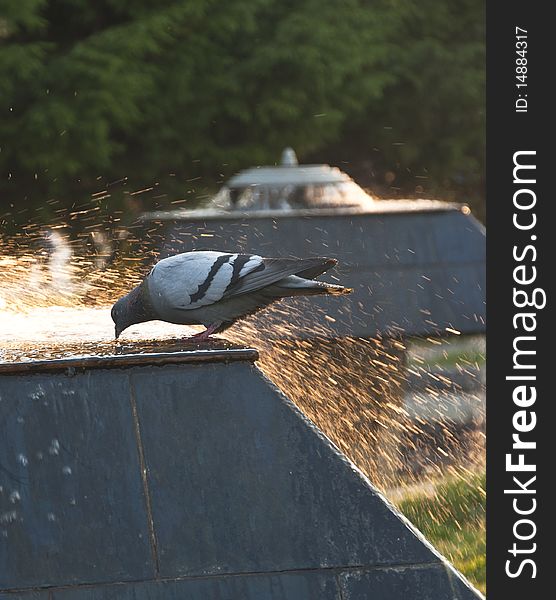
(121, 315)
(131, 309)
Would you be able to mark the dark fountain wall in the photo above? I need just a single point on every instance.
(197, 480)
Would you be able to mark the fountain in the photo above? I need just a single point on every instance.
(154, 467)
(189, 474)
(417, 266)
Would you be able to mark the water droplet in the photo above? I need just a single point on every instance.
(39, 455)
(20, 420)
(15, 497)
(51, 516)
(38, 394)
(22, 460)
(66, 470)
(54, 447)
(73, 501)
(8, 517)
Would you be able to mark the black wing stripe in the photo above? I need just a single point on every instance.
(202, 289)
(239, 280)
(239, 263)
(258, 268)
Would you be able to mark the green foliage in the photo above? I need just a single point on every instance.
(145, 88)
(453, 519)
(427, 129)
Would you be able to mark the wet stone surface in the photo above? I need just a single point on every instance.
(190, 472)
(428, 583)
(51, 333)
(25, 596)
(295, 586)
(71, 503)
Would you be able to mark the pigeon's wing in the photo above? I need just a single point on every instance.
(272, 270)
(195, 279)
(192, 280)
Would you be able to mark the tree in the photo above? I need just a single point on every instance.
(162, 91)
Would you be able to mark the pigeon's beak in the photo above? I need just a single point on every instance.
(117, 332)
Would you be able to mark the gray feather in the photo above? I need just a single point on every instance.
(276, 269)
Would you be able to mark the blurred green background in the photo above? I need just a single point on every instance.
(118, 96)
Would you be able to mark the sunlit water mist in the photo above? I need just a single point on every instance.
(58, 305)
(356, 391)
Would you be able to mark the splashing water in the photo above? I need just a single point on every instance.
(356, 391)
(362, 393)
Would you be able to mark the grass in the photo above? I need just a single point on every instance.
(452, 518)
(448, 352)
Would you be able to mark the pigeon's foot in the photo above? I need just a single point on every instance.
(203, 336)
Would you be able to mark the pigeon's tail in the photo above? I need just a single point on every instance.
(298, 286)
(313, 267)
(303, 283)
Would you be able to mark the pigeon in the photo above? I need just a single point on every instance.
(215, 289)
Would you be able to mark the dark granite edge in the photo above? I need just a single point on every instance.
(444, 567)
(339, 573)
(382, 211)
(71, 365)
(335, 570)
